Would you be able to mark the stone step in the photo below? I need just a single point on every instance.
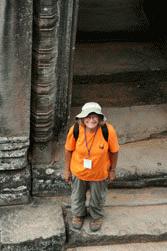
(120, 60)
(125, 197)
(151, 246)
(140, 164)
(133, 123)
(120, 74)
(123, 225)
(120, 94)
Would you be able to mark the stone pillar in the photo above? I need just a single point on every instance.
(53, 43)
(15, 82)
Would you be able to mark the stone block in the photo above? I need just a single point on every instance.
(48, 180)
(33, 227)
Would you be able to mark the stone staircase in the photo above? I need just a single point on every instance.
(120, 74)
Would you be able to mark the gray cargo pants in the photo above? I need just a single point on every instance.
(98, 191)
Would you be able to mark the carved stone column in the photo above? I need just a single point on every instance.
(15, 85)
(53, 43)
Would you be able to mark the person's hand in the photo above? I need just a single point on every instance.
(112, 175)
(67, 176)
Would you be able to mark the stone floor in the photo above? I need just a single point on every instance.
(131, 216)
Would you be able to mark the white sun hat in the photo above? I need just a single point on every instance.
(90, 107)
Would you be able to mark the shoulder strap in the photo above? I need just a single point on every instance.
(76, 130)
(104, 129)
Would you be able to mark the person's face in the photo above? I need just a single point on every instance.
(91, 121)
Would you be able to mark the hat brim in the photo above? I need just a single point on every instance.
(84, 114)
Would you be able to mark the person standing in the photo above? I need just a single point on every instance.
(91, 153)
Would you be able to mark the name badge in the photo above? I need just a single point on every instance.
(88, 163)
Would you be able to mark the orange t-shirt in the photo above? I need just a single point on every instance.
(99, 153)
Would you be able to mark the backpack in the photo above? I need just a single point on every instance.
(104, 129)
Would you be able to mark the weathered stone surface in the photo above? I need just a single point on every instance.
(15, 67)
(48, 180)
(15, 186)
(134, 123)
(144, 159)
(137, 197)
(37, 226)
(124, 225)
(15, 85)
(20, 196)
(151, 246)
(67, 34)
(122, 197)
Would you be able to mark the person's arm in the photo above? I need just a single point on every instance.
(67, 171)
(113, 160)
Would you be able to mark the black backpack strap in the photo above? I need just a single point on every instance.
(104, 129)
(76, 130)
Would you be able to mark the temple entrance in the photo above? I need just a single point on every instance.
(120, 61)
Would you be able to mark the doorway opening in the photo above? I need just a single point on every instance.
(121, 55)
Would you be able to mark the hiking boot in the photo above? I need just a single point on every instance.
(95, 224)
(77, 222)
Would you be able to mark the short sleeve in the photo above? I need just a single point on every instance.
(70, 140)
(113, 140)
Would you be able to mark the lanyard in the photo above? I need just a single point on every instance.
(86, 142)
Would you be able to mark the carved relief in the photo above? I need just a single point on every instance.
(13, 152)
(45, 53)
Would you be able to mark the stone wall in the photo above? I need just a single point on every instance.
(15, 84)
